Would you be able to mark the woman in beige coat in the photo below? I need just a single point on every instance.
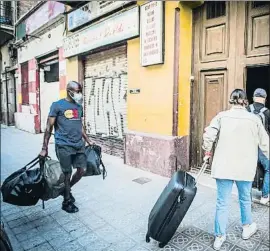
(237, 134)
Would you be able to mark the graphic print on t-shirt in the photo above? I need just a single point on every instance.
(72, 114)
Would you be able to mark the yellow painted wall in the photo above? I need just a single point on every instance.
(62, 94)
(151, 110)
(72, 68)
(184, 70)
(72, 71)
(19, 98)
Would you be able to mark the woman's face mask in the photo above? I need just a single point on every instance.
(77, 97)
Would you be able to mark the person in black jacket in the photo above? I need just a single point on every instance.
(258, 108)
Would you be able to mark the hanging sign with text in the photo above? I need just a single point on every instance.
(91, 11)
(152, 33)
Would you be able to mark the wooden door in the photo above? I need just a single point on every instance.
(210, 68)
(228, 37)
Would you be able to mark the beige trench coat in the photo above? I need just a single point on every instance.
(239, 134)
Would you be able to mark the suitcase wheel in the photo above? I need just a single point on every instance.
(162, 245)
(147, 238)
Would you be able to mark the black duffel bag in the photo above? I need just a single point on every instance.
(24, 187)
(94, 161)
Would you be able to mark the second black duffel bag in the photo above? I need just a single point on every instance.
(24, 187)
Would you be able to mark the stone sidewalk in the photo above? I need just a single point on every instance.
(113, 213)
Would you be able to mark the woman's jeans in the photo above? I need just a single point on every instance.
(265, 163)
(224, 190)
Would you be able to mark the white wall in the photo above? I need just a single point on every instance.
(48, 42)
(5, 57)
(42, 45)
(25, 122)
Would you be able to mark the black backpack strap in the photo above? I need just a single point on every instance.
(104, 173)
(31, 163)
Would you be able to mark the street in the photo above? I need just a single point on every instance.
(113, 213)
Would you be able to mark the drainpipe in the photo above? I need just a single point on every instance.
(7, 94)
(176, 71)
(15, 92)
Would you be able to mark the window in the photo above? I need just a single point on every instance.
(25, 91)
(51, 73)
(215, 9)
(6, 12)
(259, 4)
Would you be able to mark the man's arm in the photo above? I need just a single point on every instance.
(47, 135)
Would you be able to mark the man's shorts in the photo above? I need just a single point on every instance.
(69, 157)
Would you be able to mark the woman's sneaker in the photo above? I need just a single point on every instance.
(219, 242)
(249, 230)
(265, 200)
(69, 207)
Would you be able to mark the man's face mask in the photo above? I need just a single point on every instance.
(77, 97)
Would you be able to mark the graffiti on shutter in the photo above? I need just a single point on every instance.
(106, 93)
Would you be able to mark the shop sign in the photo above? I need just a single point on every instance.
(152, 33)
(91, 11)
(114, 29)
(43, 15)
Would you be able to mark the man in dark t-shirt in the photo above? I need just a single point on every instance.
(258, 108)
(66, 117)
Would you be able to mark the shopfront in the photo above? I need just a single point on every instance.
(101, 52)
(39, 38)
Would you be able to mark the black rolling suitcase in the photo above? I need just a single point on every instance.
(172, 206)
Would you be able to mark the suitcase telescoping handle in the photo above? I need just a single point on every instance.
(202, 170)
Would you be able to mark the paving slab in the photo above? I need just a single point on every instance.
(114, 213)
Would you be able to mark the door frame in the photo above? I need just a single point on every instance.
(41, 60)
(238, 60)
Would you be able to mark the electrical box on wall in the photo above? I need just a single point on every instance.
(135, 91)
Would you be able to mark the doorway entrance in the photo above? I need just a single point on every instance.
(258, 77)
(219, 64)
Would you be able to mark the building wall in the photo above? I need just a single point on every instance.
(27, 118)
(62, 74)
(6, 61)
(51, 40)
(184, 70)
(72, 72)
(232, 41)
(156, 82)
(150, 143)
(24, 6)
(154, 103)
(5, 58)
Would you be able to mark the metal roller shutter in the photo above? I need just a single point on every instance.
(105, 98)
